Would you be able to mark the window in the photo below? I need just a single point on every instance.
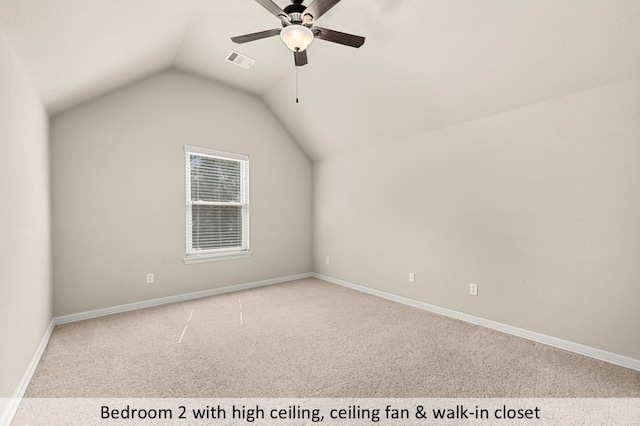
(217, 204)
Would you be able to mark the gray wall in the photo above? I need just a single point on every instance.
(25, 242)
(539, 206)
(119, 207)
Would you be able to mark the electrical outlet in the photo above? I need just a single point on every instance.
(149, 278)
(412, 277)
(326, 260)
(473, 289)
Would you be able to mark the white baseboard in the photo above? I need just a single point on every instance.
(173, 299)
(13, 402)
(578, 348)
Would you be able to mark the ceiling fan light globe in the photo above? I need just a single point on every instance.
(296, 37)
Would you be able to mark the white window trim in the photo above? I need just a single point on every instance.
(216, 257)
(216, 254)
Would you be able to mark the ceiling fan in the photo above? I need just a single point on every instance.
(298, 27)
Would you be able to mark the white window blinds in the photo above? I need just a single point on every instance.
(217, 203)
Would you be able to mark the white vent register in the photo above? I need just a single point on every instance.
(237, 58)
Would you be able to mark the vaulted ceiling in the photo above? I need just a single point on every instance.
(425, 65)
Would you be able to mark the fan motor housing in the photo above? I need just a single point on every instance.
(295, 8)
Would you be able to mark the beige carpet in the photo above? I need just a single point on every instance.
(308, 338)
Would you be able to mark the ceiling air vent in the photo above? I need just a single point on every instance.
(240, 60)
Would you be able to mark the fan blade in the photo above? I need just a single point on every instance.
(274, 9)
(338, 37)
(317, 8)
(300, 58)
(255, 36)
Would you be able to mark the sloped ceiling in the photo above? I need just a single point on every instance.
(426, 64)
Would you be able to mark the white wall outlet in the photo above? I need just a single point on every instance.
(412, 277)
(473, 289)
(149, 278)
(326, 260)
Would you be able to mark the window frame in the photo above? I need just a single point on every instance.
(208, 255)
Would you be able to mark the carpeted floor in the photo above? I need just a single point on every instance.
(308, 338)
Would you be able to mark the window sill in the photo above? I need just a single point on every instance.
(217, 257)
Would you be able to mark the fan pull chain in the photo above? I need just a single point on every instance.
(297, 84)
